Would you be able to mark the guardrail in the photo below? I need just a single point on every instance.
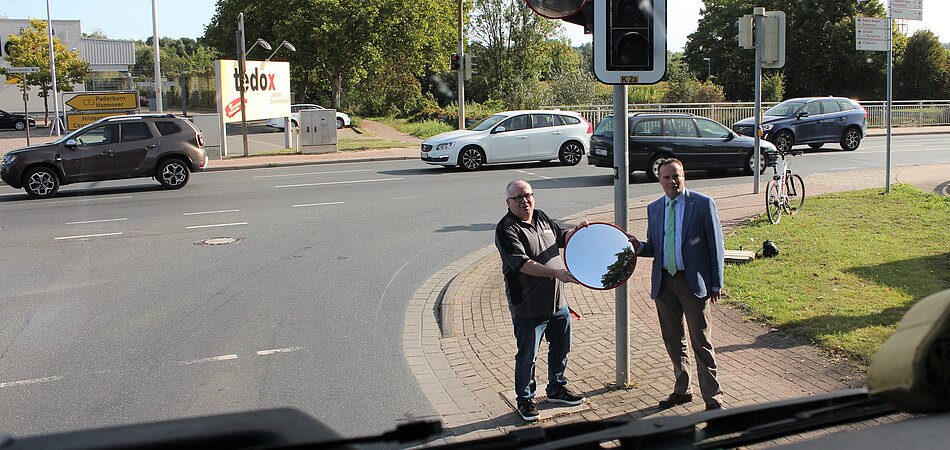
(904, 113)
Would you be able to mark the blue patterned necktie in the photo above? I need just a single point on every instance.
(669, 238)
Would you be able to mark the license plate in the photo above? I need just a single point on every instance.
(600, 151)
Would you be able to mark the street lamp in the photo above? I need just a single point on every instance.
(708, 68)
(282, 44)
(260, 41)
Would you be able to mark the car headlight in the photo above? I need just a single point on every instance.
(444, 145)
(8, 159)
(767, 127)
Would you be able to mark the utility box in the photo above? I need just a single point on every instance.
(317, 131)
(210, 127)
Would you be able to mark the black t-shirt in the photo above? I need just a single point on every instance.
(518, 242)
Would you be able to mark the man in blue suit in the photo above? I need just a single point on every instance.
(684, 237)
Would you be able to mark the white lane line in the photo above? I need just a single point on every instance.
(534, 175)
(943, 162)
(96, 221)
(215, 225)
(29, 382)
(278, 350)
(338, 182)
(84, 236)
(311, 173)
(903, 165)
(213, 358)
(211, 212)
(842, 168)
(91, 199)
(406, 198)
(317, 204)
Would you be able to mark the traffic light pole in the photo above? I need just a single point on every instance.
(461, 71)
(759, 14)
(621, 211)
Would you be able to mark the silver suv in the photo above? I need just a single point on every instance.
(162, 146)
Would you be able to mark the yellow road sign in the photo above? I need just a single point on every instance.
(103, 101)
(77, 121)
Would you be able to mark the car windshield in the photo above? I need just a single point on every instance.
(784, 109)
(489, 122)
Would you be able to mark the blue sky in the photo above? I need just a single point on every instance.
(132, 19)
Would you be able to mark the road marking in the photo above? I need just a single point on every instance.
(213, 358)
(842, 168)
(91, 199)
(406, 198)
(96, 221)
(84, 236)
(278, 350)
(317, 204)
(29, 382)
(211, 212)
(337, 182)
(215, 225)
(311, 173)
(534, 175)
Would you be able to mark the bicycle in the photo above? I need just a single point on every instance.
(786, 190)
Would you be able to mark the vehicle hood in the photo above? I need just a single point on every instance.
(32, 148)
(765, 119)
(453, 135)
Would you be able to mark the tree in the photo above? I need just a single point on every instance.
(923, 72)
(773, 87)
(31, 48)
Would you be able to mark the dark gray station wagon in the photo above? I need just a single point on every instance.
(147, 145)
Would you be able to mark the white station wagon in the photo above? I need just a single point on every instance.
(512, 136)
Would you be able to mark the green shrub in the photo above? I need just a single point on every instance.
(425, 128)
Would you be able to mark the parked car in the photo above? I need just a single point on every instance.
(701, 144)
(814, 121)
(512, 136)
(342, 119)
(145, 145)
(16, 121)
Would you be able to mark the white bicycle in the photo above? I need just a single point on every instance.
(786, 190)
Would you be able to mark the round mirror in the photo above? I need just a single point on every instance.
(600, 256)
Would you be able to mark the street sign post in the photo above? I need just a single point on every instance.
(75, 121)
(104, 101)
(871, 34)
(28, 69)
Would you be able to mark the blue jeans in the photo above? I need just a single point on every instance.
(528, 332)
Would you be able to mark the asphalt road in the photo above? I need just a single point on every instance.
(115, 312)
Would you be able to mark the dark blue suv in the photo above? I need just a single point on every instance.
(813, 121)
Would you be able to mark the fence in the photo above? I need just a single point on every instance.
(904, 113)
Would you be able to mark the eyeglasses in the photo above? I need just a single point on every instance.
(521, 198)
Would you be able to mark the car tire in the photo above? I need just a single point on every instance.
(816, 146)
(19, 125)
(571, 153)
(172, 173)
(749, 167)
(784, 141)
(41, 182)
(471, 158)
(339, 123)
(851, 139)
(653, 170)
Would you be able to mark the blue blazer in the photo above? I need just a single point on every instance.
(703, 247)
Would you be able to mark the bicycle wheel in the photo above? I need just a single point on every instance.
(795, 189)
(773, 202)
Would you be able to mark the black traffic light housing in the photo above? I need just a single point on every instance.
(456, 61)
(630, 41)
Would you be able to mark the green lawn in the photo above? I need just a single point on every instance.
(850, 265)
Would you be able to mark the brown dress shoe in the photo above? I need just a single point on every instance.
(675, 399)
(714, 406)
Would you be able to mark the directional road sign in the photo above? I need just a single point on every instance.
(77, 121)
(28, 69)
(104, 101)
(870, 33)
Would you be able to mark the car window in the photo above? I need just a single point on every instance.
(166, 128)
(516, 123)
(710, 129)
(679, 127)
(785, 109)
(812, 108)
(488, 122)
(845, 105)
(649, 127)
(605, 127)
(542, 120)
(98, 136)
(569, 120)
(830, 106)
(135, 131)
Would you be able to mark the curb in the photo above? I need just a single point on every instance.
(304, 163)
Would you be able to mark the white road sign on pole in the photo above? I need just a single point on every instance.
(907, 9)
(870, 33)
(30, 69)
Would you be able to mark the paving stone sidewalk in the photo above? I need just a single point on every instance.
(465, 365)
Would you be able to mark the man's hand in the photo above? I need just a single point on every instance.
(565, 276)
(634, 241)
(714, 297)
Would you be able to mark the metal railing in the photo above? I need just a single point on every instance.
(904, 113)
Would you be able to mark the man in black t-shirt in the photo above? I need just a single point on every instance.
(528, 242)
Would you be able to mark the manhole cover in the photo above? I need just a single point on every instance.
(219, 241)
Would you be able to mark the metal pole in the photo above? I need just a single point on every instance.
(759, 14)
(156, 60)
(461, 70)
(52, 68)
(26, 111)
(621, 184)
(890, 94)
(243, 82)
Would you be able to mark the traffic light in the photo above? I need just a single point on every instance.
(630, 41)
(470, 64)
(456, 61)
